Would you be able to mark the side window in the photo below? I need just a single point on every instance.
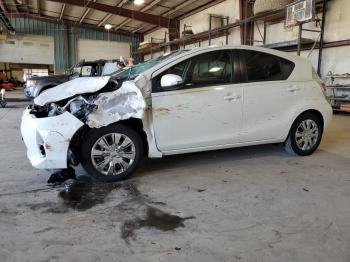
(179, 69)
(265, 67)
(209, 69)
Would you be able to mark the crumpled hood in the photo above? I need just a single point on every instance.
(51, 77)
(77, 86)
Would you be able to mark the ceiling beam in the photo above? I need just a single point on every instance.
(144, 9)
(137, 15)
(86, 12)
(62, 11)
(170, 12)
(4, 19)
(38, 7)
(3, 6)
(15, 5)
(72, 24)
(103, 20)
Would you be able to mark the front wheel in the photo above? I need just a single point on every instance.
(305, 135)
(111, 153)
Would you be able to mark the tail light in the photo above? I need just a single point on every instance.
(323, 87)
(319, 81)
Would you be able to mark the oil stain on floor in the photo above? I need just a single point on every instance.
(135, 209)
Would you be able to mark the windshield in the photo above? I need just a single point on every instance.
(138, 69)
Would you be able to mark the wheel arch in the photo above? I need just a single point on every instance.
(315, 112)
(136, 125)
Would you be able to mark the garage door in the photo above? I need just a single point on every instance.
(94, 50)
(28, 49)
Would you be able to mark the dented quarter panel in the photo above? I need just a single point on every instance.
(82, 85)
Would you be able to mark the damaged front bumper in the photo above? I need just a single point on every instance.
(47, 139)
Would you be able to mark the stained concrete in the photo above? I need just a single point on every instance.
(249, 204)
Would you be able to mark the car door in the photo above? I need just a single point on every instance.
(205, 110)
(269, 98)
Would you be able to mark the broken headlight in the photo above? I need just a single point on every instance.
(78, 106)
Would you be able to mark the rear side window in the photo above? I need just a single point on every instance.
(265, 67)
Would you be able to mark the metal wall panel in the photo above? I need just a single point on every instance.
(65, 38)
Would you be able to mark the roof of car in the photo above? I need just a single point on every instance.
(246, 47)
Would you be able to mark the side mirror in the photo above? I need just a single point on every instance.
(170, 80)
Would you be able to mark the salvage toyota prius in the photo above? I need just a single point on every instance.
(185, 101)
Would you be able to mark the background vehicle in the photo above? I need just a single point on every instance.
(37, 84)
(212, 98)
(7, 85)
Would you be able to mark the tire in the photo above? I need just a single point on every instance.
(305, 135)
(111, 161)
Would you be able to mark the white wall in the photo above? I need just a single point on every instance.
(28, 49)
(200, 22)
(95, 49)
(337, 28)
(159, 34)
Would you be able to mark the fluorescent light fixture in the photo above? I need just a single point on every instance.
(139, 2)
(108, 26)
(215, 69)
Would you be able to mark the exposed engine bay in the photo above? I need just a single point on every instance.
(107, 102)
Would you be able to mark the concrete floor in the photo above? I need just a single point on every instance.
(248, 204)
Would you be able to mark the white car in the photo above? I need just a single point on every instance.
(186, 101)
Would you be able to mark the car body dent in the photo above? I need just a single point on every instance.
(121, 104)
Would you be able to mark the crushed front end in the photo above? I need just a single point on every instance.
(53, 128)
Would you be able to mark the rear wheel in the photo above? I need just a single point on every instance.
(305, 135)
(111, 153)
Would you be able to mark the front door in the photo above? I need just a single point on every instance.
(205, 111)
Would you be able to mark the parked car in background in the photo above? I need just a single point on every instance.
(7, 85)
(186, 101)
(37, 84)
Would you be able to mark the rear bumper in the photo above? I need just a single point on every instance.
(327, 113)
(47, 139)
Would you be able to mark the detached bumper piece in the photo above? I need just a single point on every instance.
(47, 139)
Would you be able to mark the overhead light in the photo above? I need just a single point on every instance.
(108, 26)
(215, 69)
(139, 2)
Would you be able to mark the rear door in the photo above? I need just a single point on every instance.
(205, 111)
(269, 98)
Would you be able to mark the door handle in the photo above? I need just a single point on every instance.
(293, 88)
(232, 97)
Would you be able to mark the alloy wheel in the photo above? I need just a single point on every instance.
(113, 154)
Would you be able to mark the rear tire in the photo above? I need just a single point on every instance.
(111, 153)
(305, 135)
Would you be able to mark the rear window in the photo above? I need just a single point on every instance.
(265, 67)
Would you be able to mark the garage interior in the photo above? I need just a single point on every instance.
(248, 204)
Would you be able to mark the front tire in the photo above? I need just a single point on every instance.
(305, 135)
(111, 153)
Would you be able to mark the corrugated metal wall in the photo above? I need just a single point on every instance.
(65, 54)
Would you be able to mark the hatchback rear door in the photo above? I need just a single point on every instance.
(269, 98)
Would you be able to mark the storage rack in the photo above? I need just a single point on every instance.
(273, 16)
(338, 102)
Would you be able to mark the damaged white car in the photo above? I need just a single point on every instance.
(186, 101)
